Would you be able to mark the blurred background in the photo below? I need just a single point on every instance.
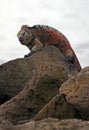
(68, 16)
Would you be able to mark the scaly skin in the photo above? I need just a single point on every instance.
(39, 36)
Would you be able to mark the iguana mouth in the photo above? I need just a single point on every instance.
(21, 40)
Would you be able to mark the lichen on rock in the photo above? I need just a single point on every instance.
(37, 87)
(44, 71)
(76, 90)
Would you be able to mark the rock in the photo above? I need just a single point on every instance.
(6, 125)
(55, 124)
(76, 90)
(31, 99)
(48, 73)
(15, 74)
(58, 107)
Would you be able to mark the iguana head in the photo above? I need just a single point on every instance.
(25, 35)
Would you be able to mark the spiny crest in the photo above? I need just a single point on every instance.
(46, 27)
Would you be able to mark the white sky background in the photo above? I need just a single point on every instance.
(68, 16)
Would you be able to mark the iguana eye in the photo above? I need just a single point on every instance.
(24, 34)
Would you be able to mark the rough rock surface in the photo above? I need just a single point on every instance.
(59, 108)
(6, 125)
(32, 87)
(31, 99)
(15, 74)
(76, 90)
(47, 124)
(50, 71)
(55, 124)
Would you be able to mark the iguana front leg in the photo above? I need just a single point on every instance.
(37, 45)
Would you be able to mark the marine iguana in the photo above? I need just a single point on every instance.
(38, 36)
